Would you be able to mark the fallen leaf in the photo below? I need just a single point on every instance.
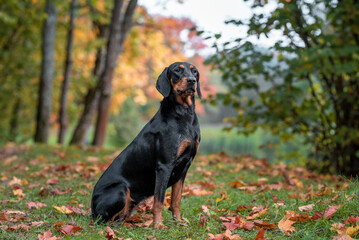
(69, 229)
(52, 181)
(324, 190)
(63, 209)
(352, 231)
(110, 233)
(306, 208)
(351, 220)
(21, 226)
(330, 211)
(204, 220)
(18, 192)
(285, 224)
(36, 224)
(224, 197)
(47, 236)
(227, 235)
(343, 237)
(338, 227)
(35, 205)
(260, 235)
(317, 215)
(248, 189)
(4, 217)
(257, 212)
(205, 209)
(237, 184)
(264, 225)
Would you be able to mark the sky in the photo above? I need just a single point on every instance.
(210, 15)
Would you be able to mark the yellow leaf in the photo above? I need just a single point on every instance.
(224, 197)
(352, 231)
(63, 209)
(19, 193)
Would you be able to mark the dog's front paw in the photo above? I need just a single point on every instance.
(159, 225)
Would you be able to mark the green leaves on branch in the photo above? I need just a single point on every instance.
(306, 84)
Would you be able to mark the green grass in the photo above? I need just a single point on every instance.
(261, 144)
(78, 170)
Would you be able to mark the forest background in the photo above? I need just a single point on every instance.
(83, 72)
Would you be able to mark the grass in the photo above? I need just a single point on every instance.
(78, 170)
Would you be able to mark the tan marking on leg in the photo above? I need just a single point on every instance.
(176, 196)
(125, 211)
(157, 214)
(184, 144)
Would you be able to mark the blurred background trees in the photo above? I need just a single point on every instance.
(297, 100)
(107, 61)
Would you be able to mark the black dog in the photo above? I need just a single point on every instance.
(158, 157)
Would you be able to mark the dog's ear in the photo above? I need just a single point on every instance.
(163, 84)
(198, 87)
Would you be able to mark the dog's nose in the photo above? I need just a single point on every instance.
(191, 80)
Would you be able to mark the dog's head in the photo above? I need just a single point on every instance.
(182, 79)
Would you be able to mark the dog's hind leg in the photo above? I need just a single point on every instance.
(113, 205)
(126, 210)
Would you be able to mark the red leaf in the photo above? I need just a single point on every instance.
(203, 221)
(317, 215)
(69, 229)
(52, 181)
(351, 220)
(260, 235)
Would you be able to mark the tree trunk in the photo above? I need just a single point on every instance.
(15, 114)
(92, 96)
(65, 84)
(47, 74)
(119, 29)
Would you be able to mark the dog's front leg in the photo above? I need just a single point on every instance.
(176, 196)
(162, 176)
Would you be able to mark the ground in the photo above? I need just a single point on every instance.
(45, 193)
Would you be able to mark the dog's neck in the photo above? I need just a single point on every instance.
(172, 104)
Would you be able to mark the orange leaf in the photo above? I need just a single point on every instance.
(257, 212)
(285, 224)
(47, 236)
(226, 235)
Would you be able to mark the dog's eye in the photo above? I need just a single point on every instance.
(177, 70)
(194, 71)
